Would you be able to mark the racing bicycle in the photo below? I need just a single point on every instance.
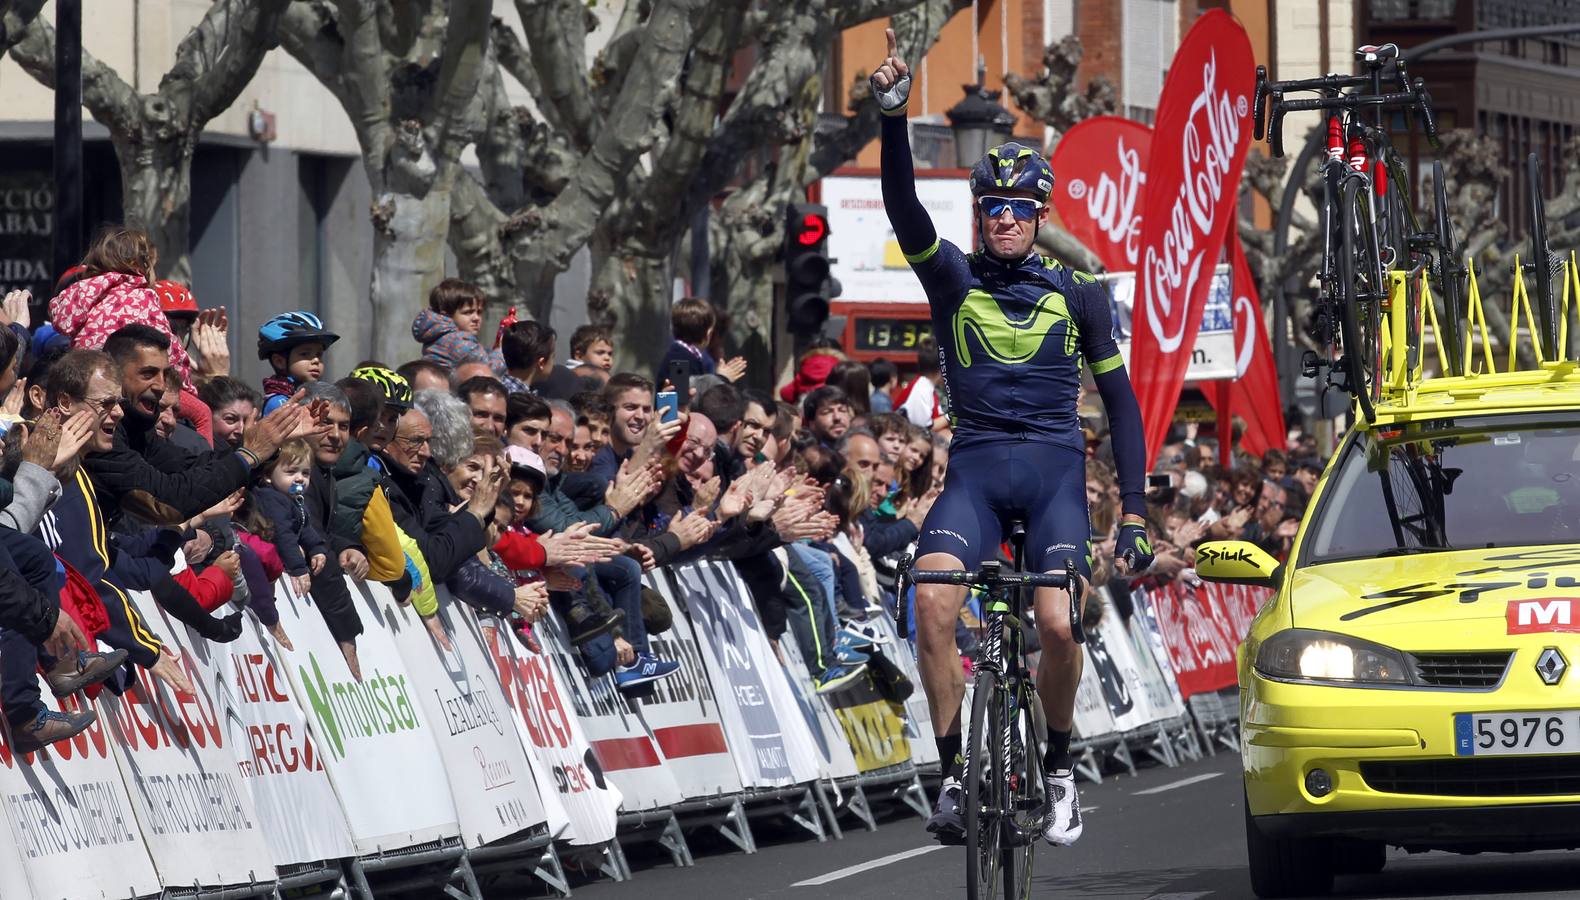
(1004, 796)
(1370, 232)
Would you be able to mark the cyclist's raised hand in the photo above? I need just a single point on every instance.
(1134, 548)
(891, 83)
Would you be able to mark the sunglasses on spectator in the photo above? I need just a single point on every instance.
(101, 406)
(1024, 209)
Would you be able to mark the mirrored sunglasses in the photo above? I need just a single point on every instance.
(1024, 209)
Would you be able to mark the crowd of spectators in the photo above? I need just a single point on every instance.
(535, 485)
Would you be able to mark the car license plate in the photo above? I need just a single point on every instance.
(1517, 734)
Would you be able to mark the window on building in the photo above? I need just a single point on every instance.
(1151, 36)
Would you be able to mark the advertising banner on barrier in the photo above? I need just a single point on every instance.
(918, 720)
(280, 763)
(1092, 718)
(682, 713)
(1108, 654)
(491, 781)
(370, 732)
(180, 769)
(626, 752)
(1201, 651)
(1156, 673)
(72, 820)
(874, 727)
(724, 626)
(547, 724)
(833, 749)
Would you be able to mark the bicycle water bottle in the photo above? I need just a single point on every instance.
(1335, 139)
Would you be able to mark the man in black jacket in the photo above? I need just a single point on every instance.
(141, 460)
(420, 498)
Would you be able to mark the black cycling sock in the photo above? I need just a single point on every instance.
(1057, 756)
(954, 765)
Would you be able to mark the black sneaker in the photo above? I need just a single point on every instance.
(948, 825)
(585, 624)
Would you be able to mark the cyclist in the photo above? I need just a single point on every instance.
(1012, 328)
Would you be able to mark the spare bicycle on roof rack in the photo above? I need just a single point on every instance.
(1369, 228)
(1380, 266)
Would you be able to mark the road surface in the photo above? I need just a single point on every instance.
(1166, 834)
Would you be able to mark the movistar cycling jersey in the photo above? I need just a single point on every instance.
(1011, 338)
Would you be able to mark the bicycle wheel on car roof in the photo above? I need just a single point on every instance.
(1362, 289)
(1540, 265)
(1450, 271)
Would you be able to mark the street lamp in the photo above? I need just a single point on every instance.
(979, 122)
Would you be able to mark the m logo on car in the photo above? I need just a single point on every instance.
(1535, 615)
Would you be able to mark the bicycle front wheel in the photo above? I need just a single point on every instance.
(1362, 291)
(1003, 798)
(984, 791)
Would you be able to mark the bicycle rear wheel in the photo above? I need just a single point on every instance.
(1449, 262)
(1544, 302)
(1361, 290)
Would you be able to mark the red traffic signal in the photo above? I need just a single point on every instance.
(812, 229)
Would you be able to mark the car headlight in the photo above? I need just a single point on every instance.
(1308, 655)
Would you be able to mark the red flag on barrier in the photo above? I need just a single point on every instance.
(1102, 167)
(1253, 395)
(1193, 185)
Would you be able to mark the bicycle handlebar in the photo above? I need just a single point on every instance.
(987, 578)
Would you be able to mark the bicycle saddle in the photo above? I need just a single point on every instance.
(1375, 53)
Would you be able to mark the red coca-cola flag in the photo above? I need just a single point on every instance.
(1200, 136)
(1101, 165)
(1253, 395)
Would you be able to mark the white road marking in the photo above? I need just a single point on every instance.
(1090, 808)
(1190, 896)
(1177, 784)
(857, 869)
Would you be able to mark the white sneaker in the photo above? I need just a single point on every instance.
(1062, 825)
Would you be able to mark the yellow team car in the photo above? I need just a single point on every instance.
(1413, 682)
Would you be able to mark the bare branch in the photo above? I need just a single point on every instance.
(623, 138)
(557, 33)
(465, 49)
(15, 16)
(514, 58)
(476, 227)
(364, 77)
(693, 119)
(220, 55)
(111, 100)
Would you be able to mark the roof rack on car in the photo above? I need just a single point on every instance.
(1410, 391)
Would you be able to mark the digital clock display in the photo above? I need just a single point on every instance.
(875, 335)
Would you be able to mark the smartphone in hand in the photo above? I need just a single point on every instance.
(667, 406)
(679, 373)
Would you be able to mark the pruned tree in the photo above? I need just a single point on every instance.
(407, 74)
(423, 81)
(689, 144)
(154, 135)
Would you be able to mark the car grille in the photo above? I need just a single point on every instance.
(1519, 776)
(1462, 670)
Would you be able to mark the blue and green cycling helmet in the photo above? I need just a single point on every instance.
(1015, 167)
(287, 330)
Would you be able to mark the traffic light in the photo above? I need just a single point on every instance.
(808, 286)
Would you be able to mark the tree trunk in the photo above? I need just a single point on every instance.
(408, 260)
(156, 196)
(630, 293)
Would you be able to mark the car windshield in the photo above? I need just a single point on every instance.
(1442, 485)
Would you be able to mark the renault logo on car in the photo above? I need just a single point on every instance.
(1551, 665)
